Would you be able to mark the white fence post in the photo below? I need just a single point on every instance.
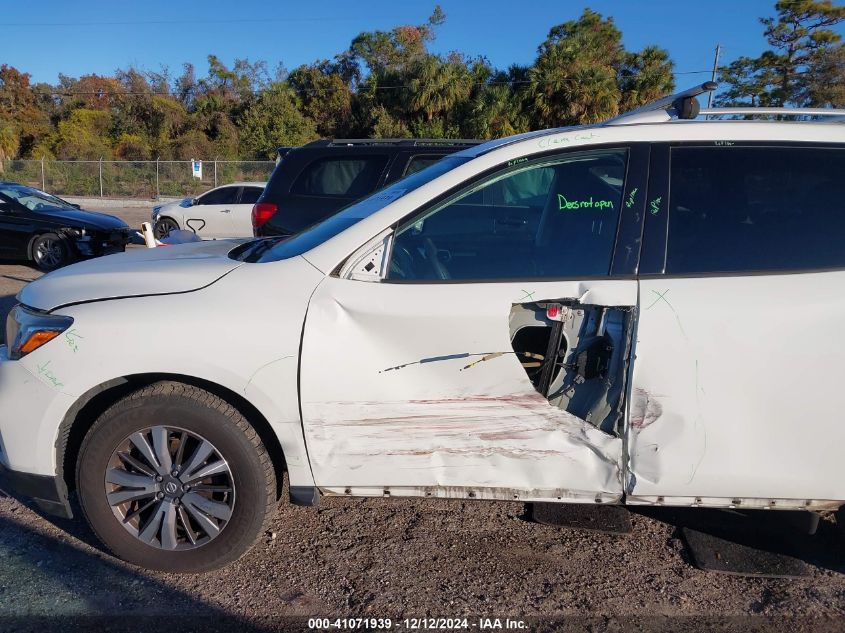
(43, 180)
(215, 172)
(158, 192)
(101, 176)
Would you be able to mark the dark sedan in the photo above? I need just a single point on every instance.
(51, 232)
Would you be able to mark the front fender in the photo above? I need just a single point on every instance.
(242, 333)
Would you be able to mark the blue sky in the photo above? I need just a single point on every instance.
(77, 38)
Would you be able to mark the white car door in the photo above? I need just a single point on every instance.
(240, 219)
(740, 352)
(210, 216)
(491, 361)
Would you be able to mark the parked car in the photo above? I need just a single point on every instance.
(51, 232)
(221, 212)
(644, 311)
(312, 182)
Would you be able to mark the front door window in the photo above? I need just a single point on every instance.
(554, 219)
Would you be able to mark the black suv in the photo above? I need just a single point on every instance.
(317, 180)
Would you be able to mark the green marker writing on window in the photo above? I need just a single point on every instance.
(655, 205)
(630, 201)
(563, 203)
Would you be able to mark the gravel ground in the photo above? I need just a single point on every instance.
(404, 559)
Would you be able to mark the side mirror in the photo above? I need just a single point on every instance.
(5, 207)
(195, 201)
(75, 206)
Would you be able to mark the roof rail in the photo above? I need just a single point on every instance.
(681, 105)
(410, 142)
(811, 113)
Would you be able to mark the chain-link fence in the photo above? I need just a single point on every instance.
(130, 179)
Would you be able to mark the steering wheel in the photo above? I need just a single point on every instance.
(415, 257)
(401, 264)
(439, 268)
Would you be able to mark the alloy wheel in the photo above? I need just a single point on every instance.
(48, 252)
(170, 488)
(163, 228)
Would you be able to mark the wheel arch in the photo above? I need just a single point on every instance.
(58, 232)
(169, 216)
(34, 236)
(93, 403)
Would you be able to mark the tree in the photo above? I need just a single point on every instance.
(385, 125)
(495, 111)
(326, 94)
(824, 83)
(274, 120)
(438, 87)
(574, 77)
(393, 50)
(25, 122)
(801, 41)
(84, 135)
(645, 77)
(9, 142)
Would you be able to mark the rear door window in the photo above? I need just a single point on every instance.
(737, 209)
(250, 195)
(350, 177)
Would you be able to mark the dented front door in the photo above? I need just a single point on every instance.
(416, 390)
(432, 382)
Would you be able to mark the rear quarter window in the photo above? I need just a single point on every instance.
(738, 209)
(420, 162)
(351, 177)
(250, 195)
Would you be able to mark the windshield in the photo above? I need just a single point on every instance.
(33, 199)
(354, 213)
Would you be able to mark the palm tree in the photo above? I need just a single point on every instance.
(645, 77)
(573, 79)
(438, 86)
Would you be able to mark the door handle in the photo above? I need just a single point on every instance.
(225, 210)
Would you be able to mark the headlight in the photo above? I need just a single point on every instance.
(26, 330)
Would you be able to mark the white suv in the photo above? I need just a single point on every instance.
(643, 312)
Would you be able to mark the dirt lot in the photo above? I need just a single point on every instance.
(404, 559)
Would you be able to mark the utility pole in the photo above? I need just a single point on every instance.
(713, 76)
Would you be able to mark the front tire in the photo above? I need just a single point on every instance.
(174, 478)
(163, 227)
(50, 252)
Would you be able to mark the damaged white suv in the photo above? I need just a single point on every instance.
(643, 312)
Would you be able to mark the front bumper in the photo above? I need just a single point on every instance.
(49, 493)
(98, 244)
(30, 413)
